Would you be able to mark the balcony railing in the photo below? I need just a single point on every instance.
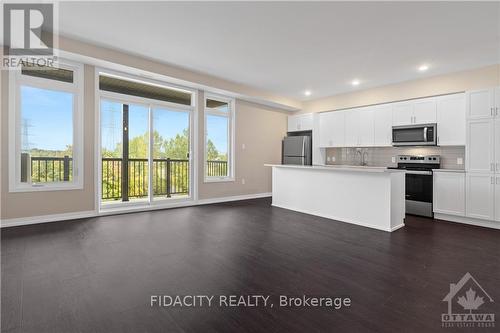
(46, 169)
(170, 176)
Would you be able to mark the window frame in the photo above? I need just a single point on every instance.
(151, 103)
(16, 80)
(231, 136)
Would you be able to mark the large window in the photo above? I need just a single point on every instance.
(46, 128)
(145, 140)
(219, 138)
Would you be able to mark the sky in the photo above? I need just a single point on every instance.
(47, 121)
(46, 118)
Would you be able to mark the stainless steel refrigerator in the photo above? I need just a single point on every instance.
(297, 150)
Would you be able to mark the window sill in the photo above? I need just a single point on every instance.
(218, 180)
(46, 188)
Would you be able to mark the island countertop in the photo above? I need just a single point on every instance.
(355, 168)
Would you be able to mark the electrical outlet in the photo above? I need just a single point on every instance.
(243, 181)
(460, 160)
(333, 158)
(328, 158)
(394, 159)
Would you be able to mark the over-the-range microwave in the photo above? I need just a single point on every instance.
(414, 135)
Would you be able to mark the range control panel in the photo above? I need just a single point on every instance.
(435, 159)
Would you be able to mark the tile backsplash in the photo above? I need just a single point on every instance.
(382, 156)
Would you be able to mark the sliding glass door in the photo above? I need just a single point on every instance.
(144, 152)
(171, 144)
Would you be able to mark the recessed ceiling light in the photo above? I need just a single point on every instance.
(423, 68)
(307, 92)
(355, 82)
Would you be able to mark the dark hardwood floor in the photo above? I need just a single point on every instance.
(97, 275)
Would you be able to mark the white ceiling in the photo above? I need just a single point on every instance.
(290, 47)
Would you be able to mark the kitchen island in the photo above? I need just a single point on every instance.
(373, 197)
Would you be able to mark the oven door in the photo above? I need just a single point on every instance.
(414, 135)
(419, 193)
(419, 186)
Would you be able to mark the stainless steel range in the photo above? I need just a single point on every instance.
(418, 182)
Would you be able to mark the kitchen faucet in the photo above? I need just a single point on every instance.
(364, 159)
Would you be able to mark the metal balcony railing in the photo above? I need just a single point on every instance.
(170, 176)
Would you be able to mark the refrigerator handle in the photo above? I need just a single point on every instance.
(304, 151)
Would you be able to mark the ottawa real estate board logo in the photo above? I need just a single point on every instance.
(469, 305)
(29, 34)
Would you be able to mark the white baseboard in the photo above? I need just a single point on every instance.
(397, 227)
(114, 211)
(362, 224)
(234, 198)
(46, 218)
(467, 220)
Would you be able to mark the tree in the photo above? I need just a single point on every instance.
(212, 152)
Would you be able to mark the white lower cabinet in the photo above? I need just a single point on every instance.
(480, 196)
(497, 198)
(449, 193)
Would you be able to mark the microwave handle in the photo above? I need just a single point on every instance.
(425, 134)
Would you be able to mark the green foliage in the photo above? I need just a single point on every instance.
(176, 148)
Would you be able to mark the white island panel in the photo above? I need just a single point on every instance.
(371, 197)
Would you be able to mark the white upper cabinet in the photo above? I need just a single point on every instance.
(424, 111)
(480, 146)
(402, 113)
(352, 127)
(382, 124)
(481, 103)
(366, 127)
(419, 111)
(480, 196)
(332, 129)
(302, 122)
(451, 120)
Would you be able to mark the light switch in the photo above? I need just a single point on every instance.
(333, 158)
(460, 160)
(243, 181)
(328, 158)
